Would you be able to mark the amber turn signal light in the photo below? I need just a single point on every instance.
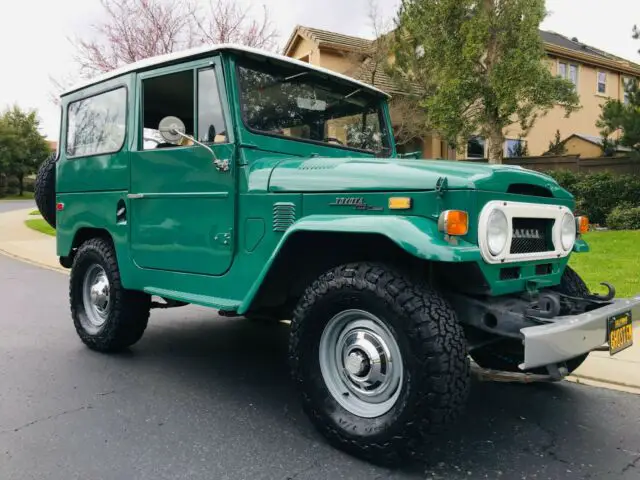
(583, 224)
(454, 222)
(399, 203)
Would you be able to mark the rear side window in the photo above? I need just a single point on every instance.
(97, 125)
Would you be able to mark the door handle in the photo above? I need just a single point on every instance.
(221, 165)
(133, 196)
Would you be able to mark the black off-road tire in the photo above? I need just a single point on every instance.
(436, 378)
(128, 311)
(45, 190)
(507, 355)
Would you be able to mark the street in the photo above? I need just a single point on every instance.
(16, 205)
(202, 397)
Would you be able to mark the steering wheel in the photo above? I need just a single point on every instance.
(333, 139)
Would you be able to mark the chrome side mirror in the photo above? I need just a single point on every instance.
(172, 130)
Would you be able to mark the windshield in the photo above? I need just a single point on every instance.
(301, 105)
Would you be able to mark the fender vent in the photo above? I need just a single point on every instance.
(284, 215)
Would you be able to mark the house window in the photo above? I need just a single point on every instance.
(562, 70)
(475, 147)
(568, 71)
(514, 148)
(602, 82)
(626, 85)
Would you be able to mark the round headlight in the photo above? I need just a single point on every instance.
(568, 231)
(497, 232)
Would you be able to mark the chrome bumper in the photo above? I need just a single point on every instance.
(571, 336)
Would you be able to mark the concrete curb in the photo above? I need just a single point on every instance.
(593, 382)
(22, 243)
(33, 262)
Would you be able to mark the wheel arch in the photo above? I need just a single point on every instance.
(333, 240)
(81, 236)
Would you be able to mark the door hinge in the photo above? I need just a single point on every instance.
(224, 239)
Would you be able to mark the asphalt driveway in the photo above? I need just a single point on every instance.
(202, 397)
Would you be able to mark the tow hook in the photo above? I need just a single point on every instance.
(609, 296)
(546, 306)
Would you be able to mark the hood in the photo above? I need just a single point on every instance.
(356, 174)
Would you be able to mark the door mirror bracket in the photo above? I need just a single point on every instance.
(172, 130)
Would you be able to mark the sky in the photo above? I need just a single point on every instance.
(35, 36)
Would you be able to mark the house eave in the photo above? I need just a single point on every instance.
(618, 66)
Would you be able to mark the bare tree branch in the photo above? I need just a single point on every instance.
(131, 30)
(227, 22)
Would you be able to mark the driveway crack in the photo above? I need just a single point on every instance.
(630, 465)
(50, 417)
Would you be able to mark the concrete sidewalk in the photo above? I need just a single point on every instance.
(621, 372)
(19, 241)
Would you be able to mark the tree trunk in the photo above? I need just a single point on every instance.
(21, 184)
(495, 151)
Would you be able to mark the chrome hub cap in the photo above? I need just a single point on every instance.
(360, 363)
(96, 297)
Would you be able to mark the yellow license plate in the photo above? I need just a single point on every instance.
(619, 332)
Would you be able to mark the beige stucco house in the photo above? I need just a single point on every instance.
(596, 74)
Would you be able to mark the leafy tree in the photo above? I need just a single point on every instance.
(624, 117)
(479, 66)
(22, 148)
(557, 146)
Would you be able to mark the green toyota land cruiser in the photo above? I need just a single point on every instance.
(265, 187)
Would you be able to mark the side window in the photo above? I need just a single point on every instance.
(211, 128)
(97, 125)
(168, 95)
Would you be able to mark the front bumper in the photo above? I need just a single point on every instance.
(570, 336)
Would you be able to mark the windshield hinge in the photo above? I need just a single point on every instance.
(441, 186)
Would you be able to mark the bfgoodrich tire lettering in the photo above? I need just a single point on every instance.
(126, 313)
(435, 374)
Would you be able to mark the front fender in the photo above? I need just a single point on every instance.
(418, 236)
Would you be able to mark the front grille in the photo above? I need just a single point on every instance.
(531, 235)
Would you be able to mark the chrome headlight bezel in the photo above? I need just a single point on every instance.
(513, 210)
(568, 232)
(497, 232)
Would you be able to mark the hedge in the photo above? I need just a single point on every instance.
(624, 217)
(598, 194)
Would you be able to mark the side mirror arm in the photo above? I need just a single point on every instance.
(221, 165)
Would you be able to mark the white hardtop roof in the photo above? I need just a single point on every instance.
(199, 51)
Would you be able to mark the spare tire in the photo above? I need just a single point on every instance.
(45, 190)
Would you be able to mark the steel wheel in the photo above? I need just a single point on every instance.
(96, 298)
(361, 363)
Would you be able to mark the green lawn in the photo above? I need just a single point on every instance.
(40, 225)
(34, 212)
(614, 258)
(25, 196)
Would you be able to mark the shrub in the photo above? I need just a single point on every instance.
(566, 178)
(624, 217)
(597, 194)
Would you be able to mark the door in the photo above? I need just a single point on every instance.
(182, 205)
